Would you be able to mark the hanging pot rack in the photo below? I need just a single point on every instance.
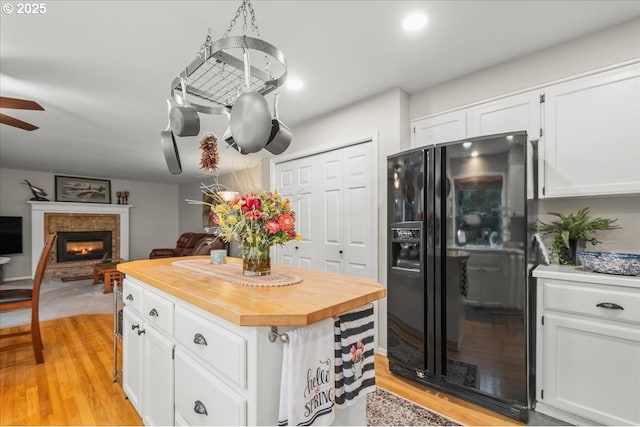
(218, 77)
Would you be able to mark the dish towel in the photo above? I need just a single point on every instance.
(355, 371)
(308, 376)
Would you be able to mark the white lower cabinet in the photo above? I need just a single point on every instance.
(148, 362)
(185, 366)
(204, 399)
(588, 347)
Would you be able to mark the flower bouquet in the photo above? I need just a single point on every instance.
(258, 221)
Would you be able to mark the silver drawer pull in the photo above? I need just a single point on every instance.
(129, 297)
(140, 331)
(199, 339)
(609, 305)
(199, 408)
(134, 327)
(153, 313)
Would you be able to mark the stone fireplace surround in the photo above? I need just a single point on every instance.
(50, 217)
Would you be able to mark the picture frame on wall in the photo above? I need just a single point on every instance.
(82, 190)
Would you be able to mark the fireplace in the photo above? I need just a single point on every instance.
(83, 245)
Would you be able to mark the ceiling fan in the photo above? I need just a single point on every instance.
(18, 104)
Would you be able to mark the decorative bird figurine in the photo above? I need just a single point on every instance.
(38, 193)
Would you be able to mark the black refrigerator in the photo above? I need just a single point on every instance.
(457, 291)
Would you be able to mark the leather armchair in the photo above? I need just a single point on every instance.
(190, 244)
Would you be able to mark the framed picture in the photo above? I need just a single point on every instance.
(82, 190)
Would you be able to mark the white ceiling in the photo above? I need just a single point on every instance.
(102, 69)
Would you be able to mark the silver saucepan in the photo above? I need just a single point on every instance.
(280, 137)
(170, 148)
(184, 119)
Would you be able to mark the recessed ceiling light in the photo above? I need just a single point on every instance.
(474, 154)
(466, 145)
(294, 84)
(414, 22)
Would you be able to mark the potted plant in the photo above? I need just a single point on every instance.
(574, 230)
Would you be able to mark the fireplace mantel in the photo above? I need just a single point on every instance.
(38, 210)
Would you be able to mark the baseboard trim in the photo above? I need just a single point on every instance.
(13, 279)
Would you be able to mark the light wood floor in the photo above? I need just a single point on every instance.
(74, 386)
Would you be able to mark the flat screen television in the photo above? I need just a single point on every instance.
(10, 235)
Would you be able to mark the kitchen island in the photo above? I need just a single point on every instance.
(196, 349)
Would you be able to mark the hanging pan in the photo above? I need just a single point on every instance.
(280, 137)
(250, 120)
(169, 147)
(184, 118)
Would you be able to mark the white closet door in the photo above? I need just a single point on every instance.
(295, 182)
(359, 211)
(331, 194)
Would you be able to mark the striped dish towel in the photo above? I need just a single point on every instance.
(355, 371)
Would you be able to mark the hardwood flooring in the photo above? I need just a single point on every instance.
(74, 386)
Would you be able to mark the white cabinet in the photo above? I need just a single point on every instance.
(203, 398)
(509, 114)
(588, 346)
(148, 354)
(440, 128)
(592, 134)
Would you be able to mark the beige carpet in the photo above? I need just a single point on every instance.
(60, 299)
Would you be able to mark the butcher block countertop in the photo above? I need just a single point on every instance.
(319, 296)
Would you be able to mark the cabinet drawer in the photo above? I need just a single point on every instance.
(204, 399)
(132, 295)
(158, 311)
(582, 299)
(220, 348)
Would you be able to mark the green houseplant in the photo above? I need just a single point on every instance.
(571, 230)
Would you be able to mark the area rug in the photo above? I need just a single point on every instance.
(60, 299)
(388, 409)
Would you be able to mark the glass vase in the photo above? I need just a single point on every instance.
(255, 261)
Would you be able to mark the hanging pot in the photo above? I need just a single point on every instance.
(280, 137)
(170, 148)
(184, 119)
(229, 140)
(250, 121)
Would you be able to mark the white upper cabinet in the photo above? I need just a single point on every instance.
(441, 128)
(592, 134)
(510, 114)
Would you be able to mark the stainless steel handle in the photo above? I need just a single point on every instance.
(199, 339)
(609, 305)
(134, 327)
(141, 331)
(199, 408)
(129, 297)
(154, 313)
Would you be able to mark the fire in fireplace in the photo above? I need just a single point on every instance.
(83, 245)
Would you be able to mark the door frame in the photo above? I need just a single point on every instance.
(367, 137)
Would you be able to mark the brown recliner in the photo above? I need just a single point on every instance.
(190, 244)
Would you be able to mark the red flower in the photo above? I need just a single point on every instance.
(286, 222)
(252, 215)
(272, 226)
(214, 219)
(254, 203)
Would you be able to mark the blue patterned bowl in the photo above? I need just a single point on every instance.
(611, 262)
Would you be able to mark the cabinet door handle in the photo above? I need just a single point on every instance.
(129, 297)
(199, 339)
(199, 408)
(153, 313)
(609, 305)
(134, 327)
(140, 331)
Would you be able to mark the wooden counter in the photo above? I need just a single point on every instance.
(319, 296)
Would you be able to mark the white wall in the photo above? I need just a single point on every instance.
(153, 218)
